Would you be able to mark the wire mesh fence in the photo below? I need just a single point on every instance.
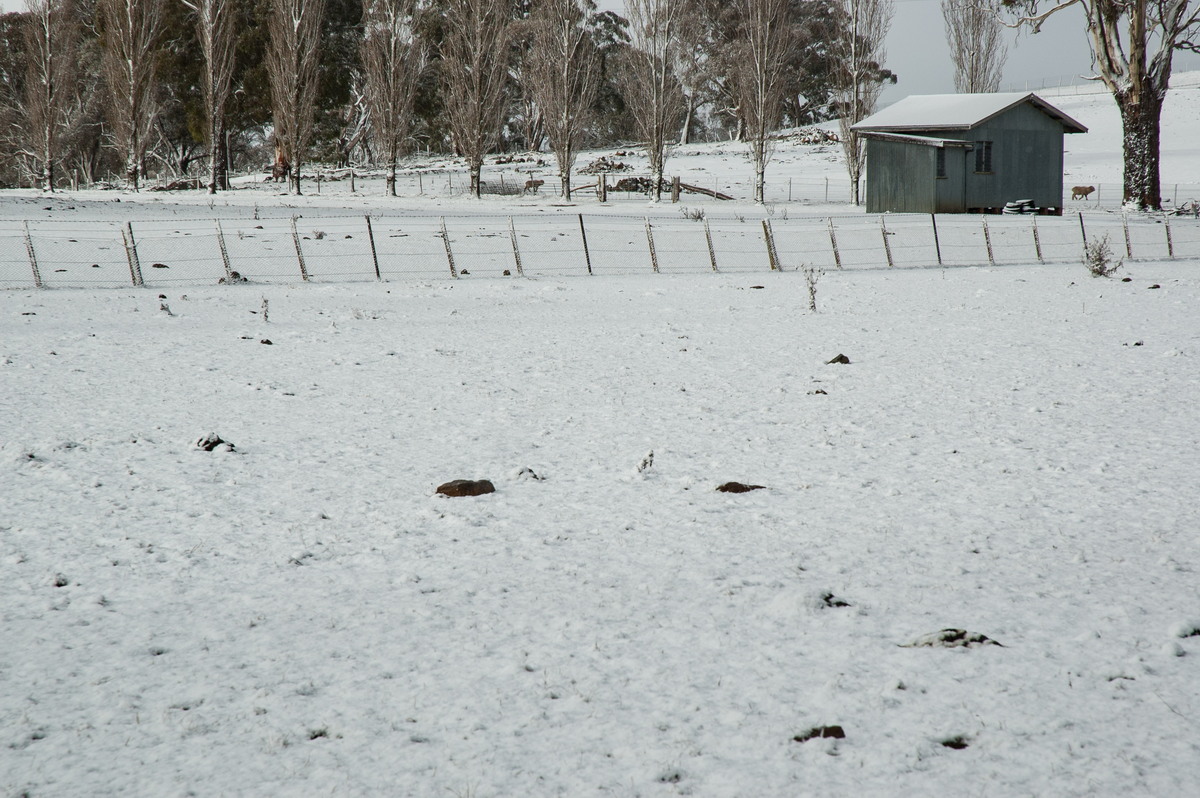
(157, 253)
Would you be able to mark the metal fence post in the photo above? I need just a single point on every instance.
(135, 266)
(374, 254)
(937, 245)
(1082, 229)
(837, 256)
(587, 256)
(449, 252)
(987, 240)
(512, 233)
(37, 276)
(712, 253)
(299, 252)
(650, 241)
(224, 253)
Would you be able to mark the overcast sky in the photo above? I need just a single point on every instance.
(917, 51)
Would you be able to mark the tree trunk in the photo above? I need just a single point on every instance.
(476, 168)
(296, 178)
(391, 178)
(1140, 141)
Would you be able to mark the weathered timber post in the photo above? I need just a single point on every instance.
(33, 264)
(224, 253)
(135, 266)
(712, 253)
(587, 256)
(837, 256)
(449, 251)
(650, 241)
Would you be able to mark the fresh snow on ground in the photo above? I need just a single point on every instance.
(1010, 451)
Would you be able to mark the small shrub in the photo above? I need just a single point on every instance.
(693, 214)
(1099, 259)
(812, 275)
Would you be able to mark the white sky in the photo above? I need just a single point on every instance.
(917, 51)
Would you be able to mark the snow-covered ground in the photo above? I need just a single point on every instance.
(1011, 451)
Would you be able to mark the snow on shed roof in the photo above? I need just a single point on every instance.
(957, 112)
(924, 141)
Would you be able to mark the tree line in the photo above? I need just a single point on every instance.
(119, 89)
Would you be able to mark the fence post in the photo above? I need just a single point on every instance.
(587, 256)
(449, 252)
(299, 252)
(837, 257)
(1128, 243)
(1082, 229)
(602, 187)
(987, 239)
(675, 188)
(937, 244)
(789, 189)
(512, 233)
(135, 266)
(420, 184)
(650, 241)
(887, 246)
(1037, 241)
(1170, 243)
(771, 248)
(351, 180)
(37, 276)
(224, 253)
(827, 190)
(374, 254)
(712, 253)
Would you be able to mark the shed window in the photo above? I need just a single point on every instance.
(983, 156)
(941, 162)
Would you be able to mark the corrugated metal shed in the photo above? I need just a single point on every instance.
(954, 153)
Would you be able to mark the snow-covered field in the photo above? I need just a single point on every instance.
(1011, 451)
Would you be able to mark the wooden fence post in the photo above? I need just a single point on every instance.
(650, 241)
(887, 246)
(1128, 243)
(937, 245)
(676, 190)
(37, 275)
(602, 187)
(1170, 243)
(299, 252)
(135, 266)
(224, 253)
(987, 240)
(712, 253)
(449, 251)
(512, 233)
(374, 254)
(837, 256)
(1037, 241)
(772, 251)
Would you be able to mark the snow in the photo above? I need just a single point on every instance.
(1012, 451)
(954, 111)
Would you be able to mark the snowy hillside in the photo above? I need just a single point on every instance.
(1009, 453)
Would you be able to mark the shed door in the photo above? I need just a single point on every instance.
(952, 179)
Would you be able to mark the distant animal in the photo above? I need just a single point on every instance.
(281, 170)
(532, 186)
(1081, 192)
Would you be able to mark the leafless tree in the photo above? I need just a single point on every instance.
(758, 77)
(653, 89)
(565, 71)
(858, 75)
(1133, 45)
(474, 76)
(977, 47)
(218, 42)
(393, 59)
(292, 58)
(51, 38)
(131, 32)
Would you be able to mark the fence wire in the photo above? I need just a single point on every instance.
(161, 254)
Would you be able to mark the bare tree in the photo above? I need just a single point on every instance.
(976, 45)
(474, 76)
(51, 38)
(653, 88)
(758, 77)
(131, 32)
(1133, 45)
(565, 70)
(292, 56)
(218, 43)
(858, 75)
(394, 58)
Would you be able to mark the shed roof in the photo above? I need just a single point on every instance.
(957, 112)
(924, 141)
